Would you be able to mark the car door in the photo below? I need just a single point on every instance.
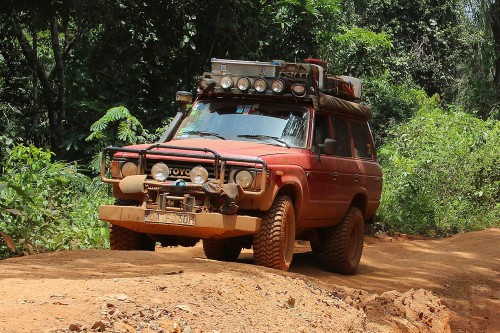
(320, 178)
(370, 171)
(346, 170)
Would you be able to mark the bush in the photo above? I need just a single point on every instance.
(59, 210)
(441, 173)
(391, 103)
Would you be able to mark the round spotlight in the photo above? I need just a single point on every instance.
(206, 83)
(260, 85)
(243, 84)
(299, 90)
(160, 172)
(129, 169)
(198, 175)
(244, 178)
(203, 84)
(278, 86)
(226, 82)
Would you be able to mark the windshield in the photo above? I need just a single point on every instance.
(271, 123)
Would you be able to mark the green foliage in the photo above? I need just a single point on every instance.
(130, 53)
(430, 39)
(294, 30)
(391, 103)
(441, 173)
(127, 129)
(117, 128)
(357, 51)
(51, 205)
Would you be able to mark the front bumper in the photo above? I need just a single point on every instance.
(199, 225)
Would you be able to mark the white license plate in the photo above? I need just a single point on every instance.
(170, 218)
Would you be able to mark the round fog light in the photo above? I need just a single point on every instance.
(198, 175)
(244, 178)
(129, 169)
(160, 172)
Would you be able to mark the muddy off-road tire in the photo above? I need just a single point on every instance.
(342, 245)
(125, 239)
(221, 249)
(273, 245)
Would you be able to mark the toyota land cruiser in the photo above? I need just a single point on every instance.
(268, 153)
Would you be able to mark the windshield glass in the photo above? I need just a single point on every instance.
(271, 123)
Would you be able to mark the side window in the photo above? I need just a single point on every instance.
(321, 130)
(342, 137)
(362, 143)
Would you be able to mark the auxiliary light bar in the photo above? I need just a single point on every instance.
(277, 77)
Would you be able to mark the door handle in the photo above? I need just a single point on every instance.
(335, 175)
(356, 177)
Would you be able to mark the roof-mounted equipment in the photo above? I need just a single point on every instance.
(277, 78)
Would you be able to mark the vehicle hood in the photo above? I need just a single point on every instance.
(228, 148)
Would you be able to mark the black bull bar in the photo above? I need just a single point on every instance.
(208, 154)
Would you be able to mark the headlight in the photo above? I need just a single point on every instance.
(244, 178)
(278, 86)
(160, 172)
(129, 169)
(198, 174)
(226, 82)
(243, 84)
(299, 90)
(260, 85)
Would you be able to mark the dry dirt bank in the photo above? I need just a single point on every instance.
(178, 290)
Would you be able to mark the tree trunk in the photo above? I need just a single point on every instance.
(56, 48)
(495, 29)
(34, 91)
(53, 106)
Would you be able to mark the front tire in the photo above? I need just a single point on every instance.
(273, 245)
(221, 249)
(343, 243)
(128, 240)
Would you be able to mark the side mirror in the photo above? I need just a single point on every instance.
(330, 146)
(183, 98)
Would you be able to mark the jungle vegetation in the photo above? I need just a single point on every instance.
(78, 75)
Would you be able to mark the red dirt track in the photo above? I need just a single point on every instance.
(177, 290)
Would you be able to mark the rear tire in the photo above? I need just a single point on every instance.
(343, 244)
(221, 249)
(273, 245)
(128, 240)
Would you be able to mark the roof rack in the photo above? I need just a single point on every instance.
(278, 77)
(304, 81)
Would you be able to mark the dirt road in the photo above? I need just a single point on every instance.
(177, 290)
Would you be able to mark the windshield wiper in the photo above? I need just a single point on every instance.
(262, 136)
(203, 133)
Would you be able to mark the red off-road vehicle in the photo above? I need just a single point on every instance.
(268, 153)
